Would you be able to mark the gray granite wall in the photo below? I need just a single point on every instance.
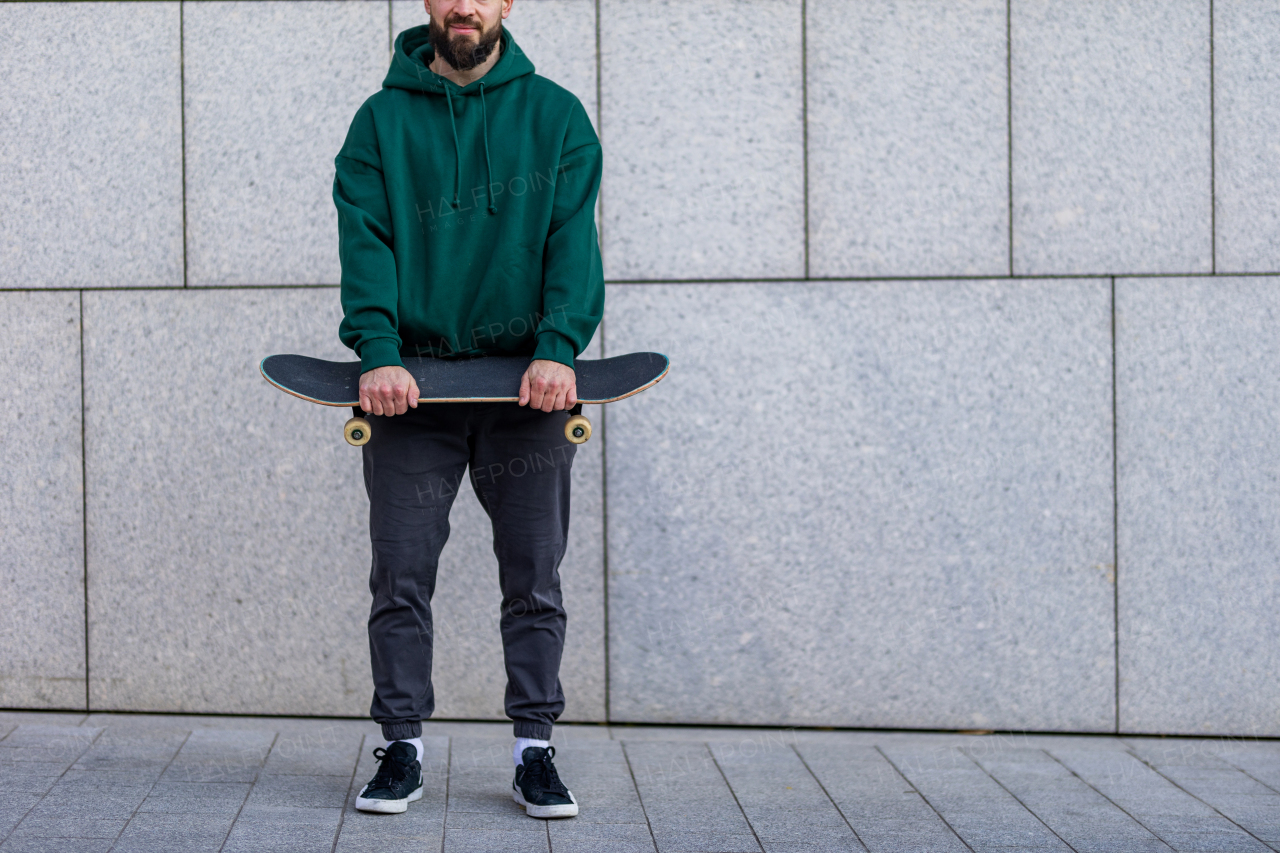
(972, 308)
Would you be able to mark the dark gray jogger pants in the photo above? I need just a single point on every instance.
(519, 468)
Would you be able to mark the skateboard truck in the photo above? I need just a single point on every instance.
(577, 429)
(357, 430)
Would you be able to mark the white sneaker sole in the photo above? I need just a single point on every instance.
(386, 806)
(568, 810)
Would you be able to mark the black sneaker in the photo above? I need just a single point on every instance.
(539, 789)
(397, 783)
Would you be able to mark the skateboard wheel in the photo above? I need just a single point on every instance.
(577, 429)
(357, 432)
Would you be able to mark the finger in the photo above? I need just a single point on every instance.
(375, 405)
(562, 400)
(571, 397)
(524, 388)
(401, 398)
(365, 403)
(537, 392)
(413, 393)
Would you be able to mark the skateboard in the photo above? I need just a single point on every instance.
(492, 379)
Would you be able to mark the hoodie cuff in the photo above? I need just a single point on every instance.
(379, 352)
(554, 346)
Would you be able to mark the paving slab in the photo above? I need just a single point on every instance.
(976, 807)
(497, 841)
(1261, 762)
(195, 798)
(45, 750)
(1234, 794)
(689, 805)
(1171, 814)
(571, 836)
(32, 844)
(283, 829)
(221, 756)
(1075, 812)
(16, 779)
(145, 752)
(758, 790)
(152, 832)
(14, 806)
(781, 799)
(881, 806)
(328, 752)
(68, 826)
(304, 791)
(89, 802)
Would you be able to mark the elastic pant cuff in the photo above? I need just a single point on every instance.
(530, 729)
(406, 730)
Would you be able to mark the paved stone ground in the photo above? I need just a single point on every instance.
(102, 782)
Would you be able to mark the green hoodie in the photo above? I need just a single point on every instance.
(466, 215)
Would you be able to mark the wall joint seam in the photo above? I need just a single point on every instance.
(84, 509)
(804, 122)
(1115, 511)
(1008, 95)
(1213, 156)
(182, 123)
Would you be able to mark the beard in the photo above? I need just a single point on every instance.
(461, 52)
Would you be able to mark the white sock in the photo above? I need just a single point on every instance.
(417, 744)
(521, 743)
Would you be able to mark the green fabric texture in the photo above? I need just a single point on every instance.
(466, 215)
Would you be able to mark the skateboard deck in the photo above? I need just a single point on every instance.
(474, 380)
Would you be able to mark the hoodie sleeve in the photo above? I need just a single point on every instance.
(572, 273)
(369, 287)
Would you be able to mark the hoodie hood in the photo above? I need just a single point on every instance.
(410, 70)
(413, 54)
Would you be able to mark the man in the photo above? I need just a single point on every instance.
(466, 193)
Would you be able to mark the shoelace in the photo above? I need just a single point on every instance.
(543, 773)
(389, 772)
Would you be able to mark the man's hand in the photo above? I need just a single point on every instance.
(548, 385)
(388, 391)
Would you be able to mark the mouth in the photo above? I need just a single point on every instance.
(464, 29)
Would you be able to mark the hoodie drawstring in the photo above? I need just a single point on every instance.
(484, 111)
(457, 149)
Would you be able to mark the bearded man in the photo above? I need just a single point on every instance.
(466, 192)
